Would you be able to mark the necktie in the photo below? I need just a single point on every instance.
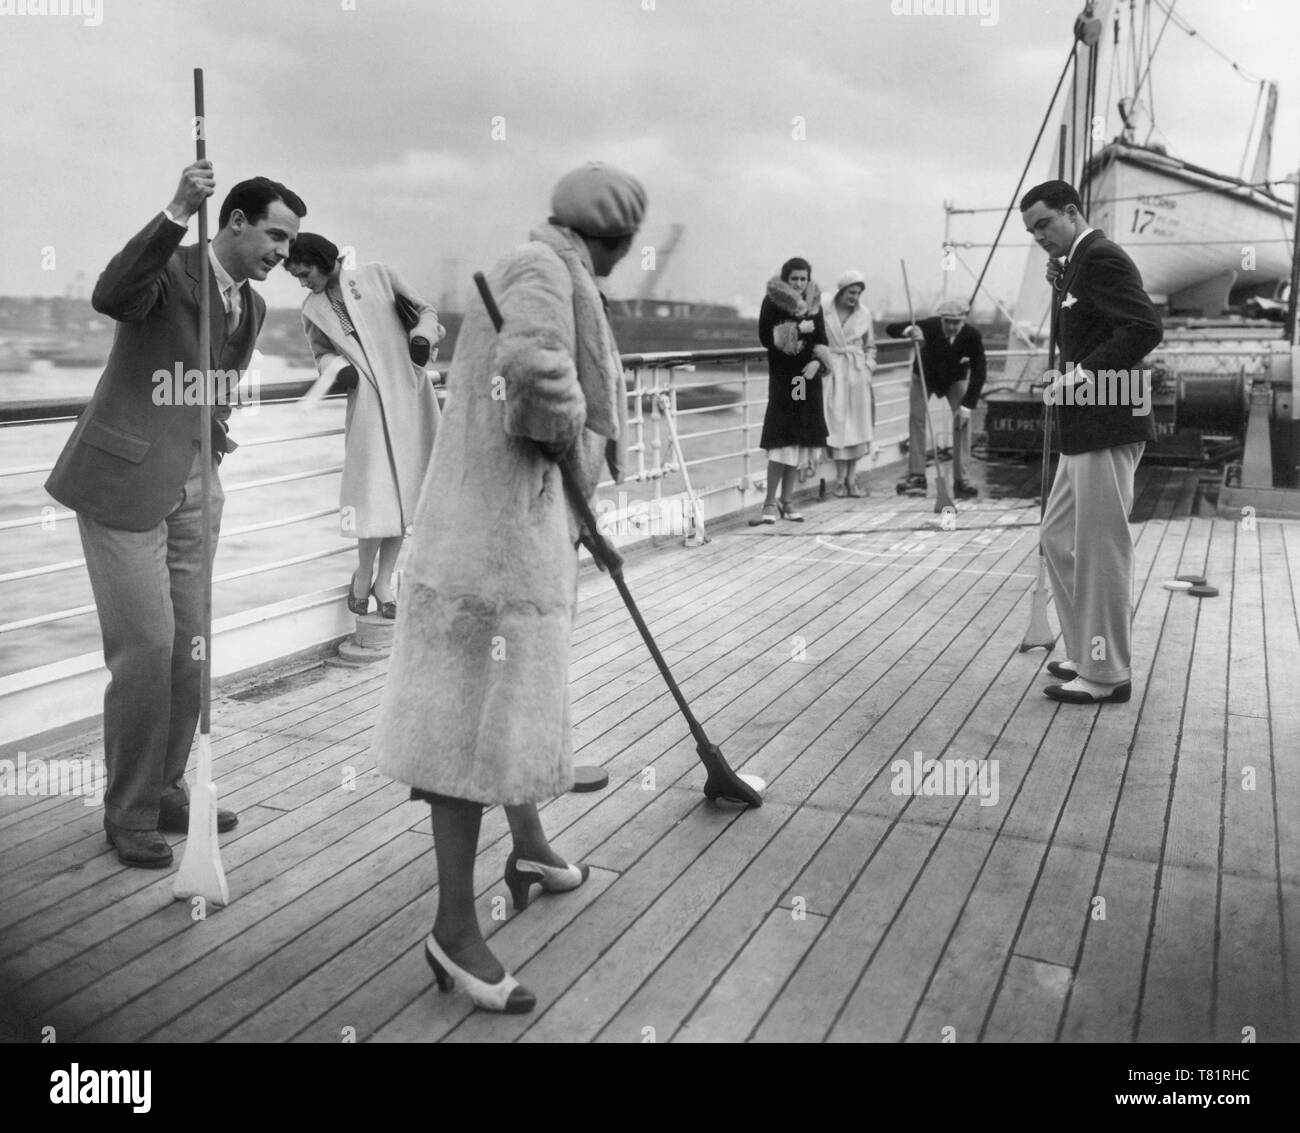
(342, 312)
(233, 309)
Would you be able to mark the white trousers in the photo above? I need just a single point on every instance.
(1088, 552)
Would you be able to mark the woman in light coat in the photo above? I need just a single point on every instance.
(476, 709)
(357, 336)
(846, 390)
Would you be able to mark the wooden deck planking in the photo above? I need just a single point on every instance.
(1023, 907)
(1281, 551)
(1106, 994)
(815, 655)
(1180, 974)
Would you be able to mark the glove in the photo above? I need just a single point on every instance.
(556, 450)
(963, 412)
(346, 379)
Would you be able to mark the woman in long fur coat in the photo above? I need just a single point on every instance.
(791, 326)
(476, 709)
(351, 322)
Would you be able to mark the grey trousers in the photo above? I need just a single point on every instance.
(148, 588)
(1088, 552)
(918, 444)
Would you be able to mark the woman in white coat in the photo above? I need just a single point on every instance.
(846, 390)
(357, 336)
(476, 708)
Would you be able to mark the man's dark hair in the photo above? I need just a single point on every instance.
(795, 263)
(1054, 194)
(254, 196)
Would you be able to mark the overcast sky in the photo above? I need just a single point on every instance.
(380, 114)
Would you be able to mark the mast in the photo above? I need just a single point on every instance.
(1264, 148)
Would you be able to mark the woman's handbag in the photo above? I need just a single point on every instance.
(410, 318)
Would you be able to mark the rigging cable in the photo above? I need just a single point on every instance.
(1183, 26)
(1023, 174)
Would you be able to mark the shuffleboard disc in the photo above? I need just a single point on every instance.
(1178, 584)
(1204, 592)
(588, 778)
(1194, 579)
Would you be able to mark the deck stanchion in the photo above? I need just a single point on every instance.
(722, 782)
(200, 873)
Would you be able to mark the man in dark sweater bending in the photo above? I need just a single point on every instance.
(952, 352)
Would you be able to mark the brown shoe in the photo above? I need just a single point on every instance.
(144, 848)
(176, 820)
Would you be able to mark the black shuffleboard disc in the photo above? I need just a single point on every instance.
(590, 779)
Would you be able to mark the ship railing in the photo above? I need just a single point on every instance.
(695, 420)
(693, 416)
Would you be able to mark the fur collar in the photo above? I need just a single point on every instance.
(792, 302)
(596, 359)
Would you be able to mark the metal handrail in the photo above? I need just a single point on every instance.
(653, 460)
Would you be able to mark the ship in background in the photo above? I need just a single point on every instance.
(1207, 243)
(648, 324)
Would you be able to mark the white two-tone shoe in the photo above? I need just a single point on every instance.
(507, 995)
(522, 875)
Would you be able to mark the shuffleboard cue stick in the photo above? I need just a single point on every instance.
(1039, 635)
(943, 501)
(721, 782)
(200, 874)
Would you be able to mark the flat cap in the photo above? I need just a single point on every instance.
(952, 309)
(599, 200)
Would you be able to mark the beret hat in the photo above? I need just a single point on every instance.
(599, 200)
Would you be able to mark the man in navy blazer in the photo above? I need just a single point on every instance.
(131, 471)
(1106, 325)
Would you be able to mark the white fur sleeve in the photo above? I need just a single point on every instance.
(535, 350)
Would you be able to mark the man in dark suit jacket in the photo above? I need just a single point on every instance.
(1105, 327)
(952, 352)
(131, 472)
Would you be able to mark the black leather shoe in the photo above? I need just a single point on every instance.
(1119, 694)
(964, 490)
(176, 820)
(146, 849)
(386, 609)
(1062, 670)
(357, 605)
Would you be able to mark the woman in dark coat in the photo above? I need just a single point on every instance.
(792, 327)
